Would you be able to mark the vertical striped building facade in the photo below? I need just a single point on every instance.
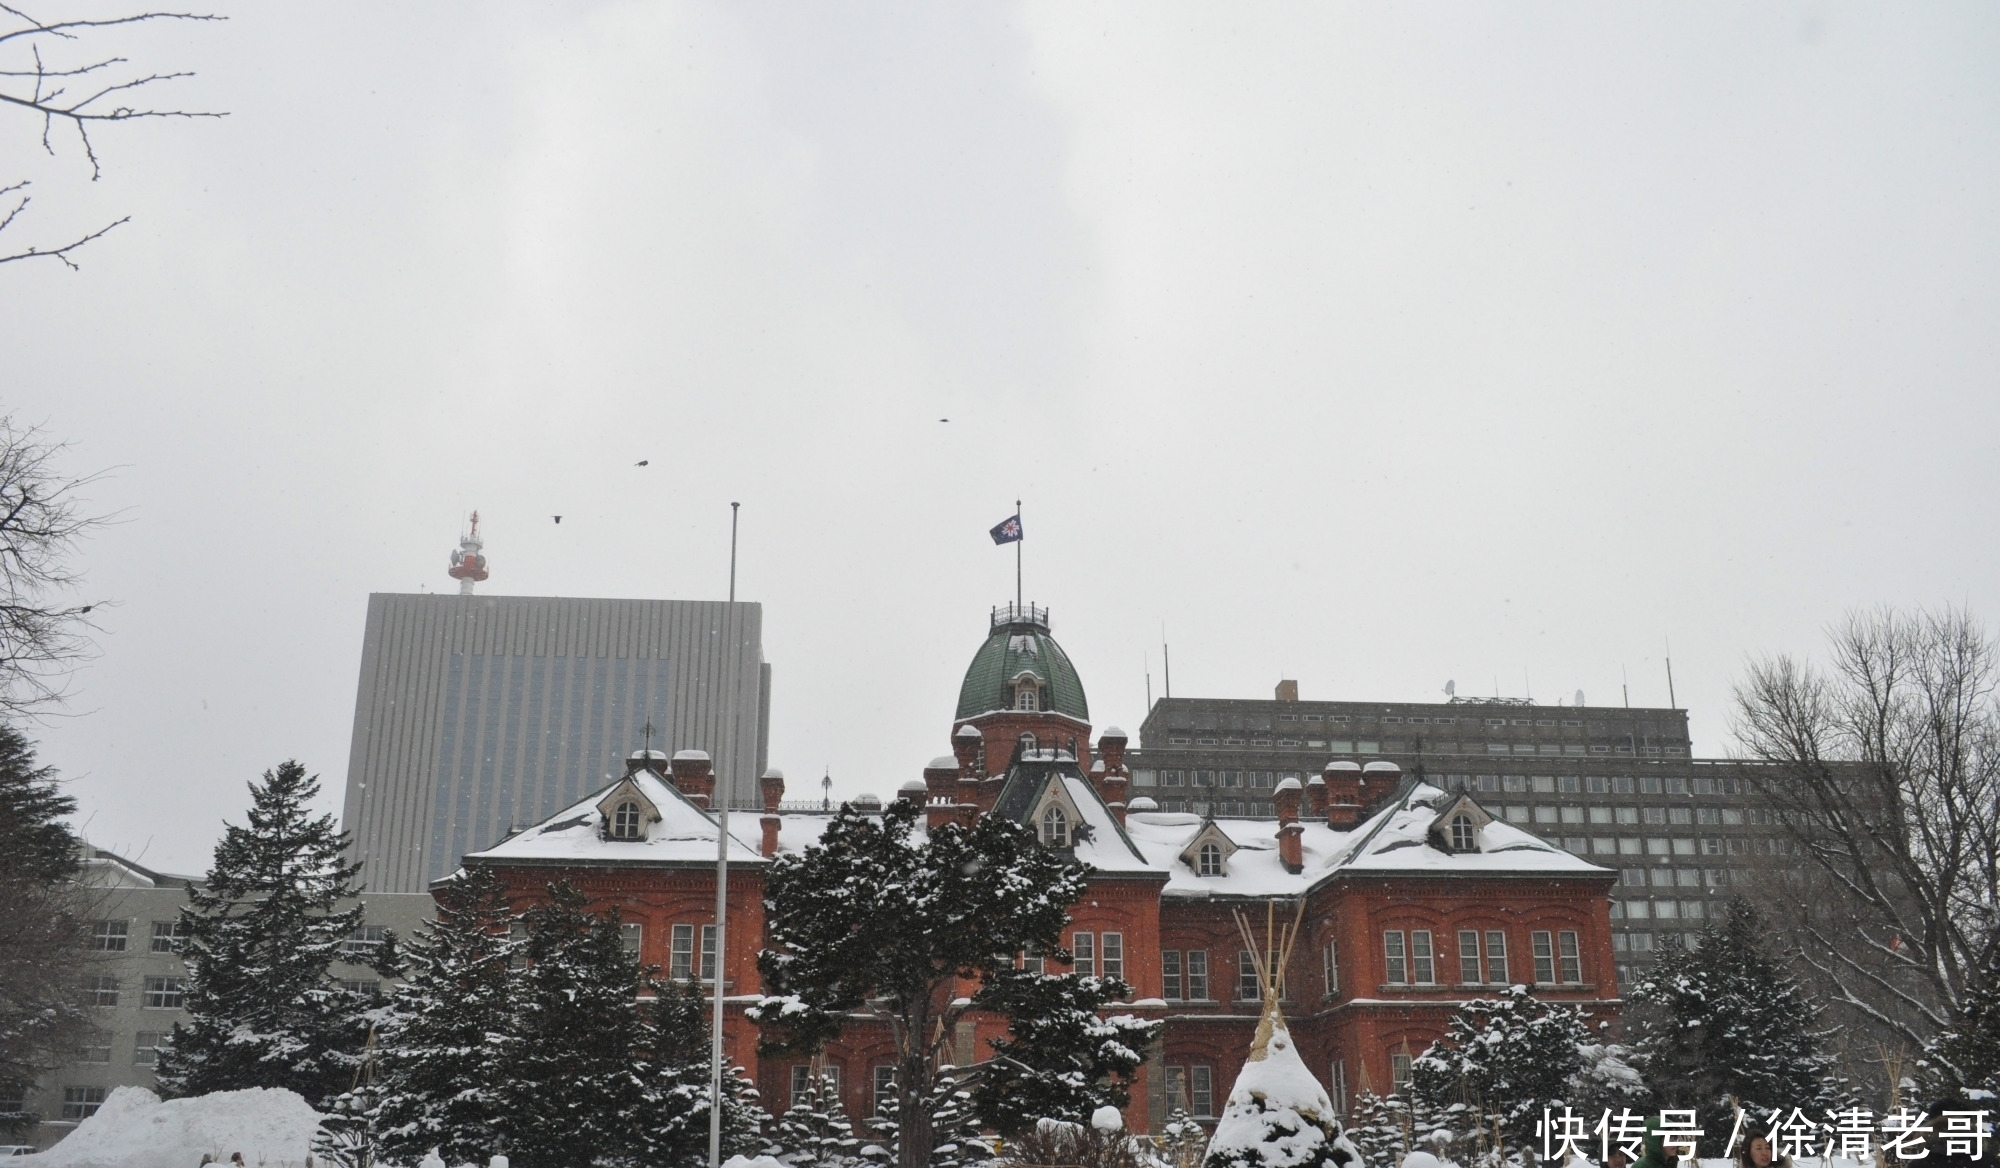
(476, 714)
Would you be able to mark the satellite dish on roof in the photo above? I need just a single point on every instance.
(1579, 698)
(1451, 689)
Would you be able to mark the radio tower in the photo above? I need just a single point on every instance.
(468, 567)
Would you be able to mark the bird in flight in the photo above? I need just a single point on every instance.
(558, 519)
(944, 419)
(642, 462)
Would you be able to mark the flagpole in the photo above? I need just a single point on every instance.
(1017, 559)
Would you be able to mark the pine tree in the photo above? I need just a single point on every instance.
(815, 1132)
(1278, 1115)
(958, 1138)
(881, 920)
(1966, 1055)
(571, 1082)
(261, 935)
(1061, 1059)
(1379, 1126)
(42, 909)
(439, 1067)
(1723, 1020)
(1510, 1058)
(671, 1121)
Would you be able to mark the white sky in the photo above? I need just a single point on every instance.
(1369, 345)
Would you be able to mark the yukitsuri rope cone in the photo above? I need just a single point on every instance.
(1278, 1115)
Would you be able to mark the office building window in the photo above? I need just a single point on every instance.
(1545, 956)
(363, 942)
(94, 1054)
(109, 936)
(680, 953)
(1423, 970)
(1197, 975)
(1631, 847)
(1396, 959)
(1572, 814)
(100, 990)
(1708, 815)
(167, 937)
(360, 985)
(1622, 785)
(82, 1102)
(1170, 974)
(146, 1047)
(1631, 877)
(165, 993)
(1628, 814)
(1653, 815)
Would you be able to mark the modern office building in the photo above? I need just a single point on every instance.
(1615, 785)
(136, 984)
(479, 713)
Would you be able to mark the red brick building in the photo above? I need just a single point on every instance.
(1415, 899)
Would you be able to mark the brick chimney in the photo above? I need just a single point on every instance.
(641, 760)
(1291, 851)
(693, 775)
(773, 786)
(1316, 797)
(1344, 786)
(1379, 780)
(1109, 773)
(968, 744)
(941, 791)
(1288, 691)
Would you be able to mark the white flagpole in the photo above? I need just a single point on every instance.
(715, 1037)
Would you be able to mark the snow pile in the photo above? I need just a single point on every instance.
(134, 1129)
(752, 1162)
(1278, 1116)
(1422, 1160)
(1107, 1119)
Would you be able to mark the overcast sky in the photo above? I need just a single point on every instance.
(1370, 345)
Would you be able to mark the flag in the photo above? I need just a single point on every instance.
(1007, 530)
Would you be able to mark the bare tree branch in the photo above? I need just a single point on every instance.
(43, 632)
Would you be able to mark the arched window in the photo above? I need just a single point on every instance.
(1208, 861)
(1055, 827)
(625, 821)
(1027, 743)
(1464, 836)
(1026, 698)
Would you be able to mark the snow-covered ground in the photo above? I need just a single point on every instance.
(134, 1129)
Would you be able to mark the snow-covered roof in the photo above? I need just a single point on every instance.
(683, 834)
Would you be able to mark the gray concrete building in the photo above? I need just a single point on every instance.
(137, 982)
(479, 713)
(1613, 784)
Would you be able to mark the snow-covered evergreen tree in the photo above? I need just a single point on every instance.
(261, 935)
(815, 1131)
(1380, 1127)
(439, 1066)
(1724, 1020)
(958, 1137)
(1064, 1056)
(672, 1117)
(1278, 1115)
(1509, 1057)
(879, 919)
(42, 910)
(570, 1084)
(1966, 1054)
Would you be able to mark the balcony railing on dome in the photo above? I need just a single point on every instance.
(1019, 614)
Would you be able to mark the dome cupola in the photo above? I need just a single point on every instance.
(1021, 669)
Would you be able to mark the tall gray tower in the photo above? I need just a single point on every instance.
(476, 713)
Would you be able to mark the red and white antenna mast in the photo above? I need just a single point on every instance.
(468, 566)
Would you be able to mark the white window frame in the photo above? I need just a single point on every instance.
(1496, 956)
(1423, 958)
(1395, 957)
(1197, 975)
(1543, 947)
(1569, 957)
(1083, 948)
(1111, 955)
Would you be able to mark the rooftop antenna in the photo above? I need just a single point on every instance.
(1625, 685)
(468, 566)
(649, 738)
(1527, 685)
(1149, 682)
(732, 551)
(826, 790)
(1451, 689)
(1671, 703)
(1017, 555)
(1166, 659)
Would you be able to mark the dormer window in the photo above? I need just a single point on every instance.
(1464, 834)
(1055, 827)
(1208, 861)
(1026, 697)
(625, 821)
(1028, 743)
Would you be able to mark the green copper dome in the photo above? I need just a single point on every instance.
(1020, 643)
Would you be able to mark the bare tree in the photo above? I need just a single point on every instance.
(1884, 767)
(44, 632)
(76, 96)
